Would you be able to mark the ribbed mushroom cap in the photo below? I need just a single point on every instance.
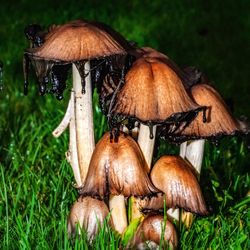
(117, 168)
(89, 214)
(151, 230)
(220, 121)
(176, 178)
(80, 40)
(154, 93)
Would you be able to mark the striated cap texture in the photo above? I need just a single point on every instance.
(117, 168)
(176, 178)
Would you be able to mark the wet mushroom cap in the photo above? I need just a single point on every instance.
(89, 214)
(152, 228)
(80, 40)
(176, 178)
(219, 120)
(154, 93)
(117, 168)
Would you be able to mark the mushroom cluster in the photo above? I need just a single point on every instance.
(137, 87)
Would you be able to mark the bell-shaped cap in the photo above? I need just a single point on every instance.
(219, 120)
(87, 214)
(80, 40)
(151, 230)
(176, 178)
(117, 167)
(153, 93)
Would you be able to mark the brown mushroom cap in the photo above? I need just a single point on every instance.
(176, 178)
(152, 228)
(154, 93)
(219, 121)
(80, 40)
(89, 214)
(150, 204)
(117, 168)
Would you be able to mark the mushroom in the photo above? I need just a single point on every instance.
(219, 120)
(176, 178)
(154, 232)
(78, 42)
(153, 93)
(87, 214)
(117, 167)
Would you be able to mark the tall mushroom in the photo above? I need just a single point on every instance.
(92, 48)
(78, 42)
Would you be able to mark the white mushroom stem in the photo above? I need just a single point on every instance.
(193, 151)
(118, 212)
(147, 147)
(66, 119)
(84, 119)
(146, 143)
(71, 154)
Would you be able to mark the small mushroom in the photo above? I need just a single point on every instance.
(149, 234)
(87, 214)
(117, 167)
(176, 178)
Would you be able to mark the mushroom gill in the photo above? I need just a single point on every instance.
(87, 214)
(176, 178)
(151, 230)
(117, 167)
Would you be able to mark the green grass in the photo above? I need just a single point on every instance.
(36, 183)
